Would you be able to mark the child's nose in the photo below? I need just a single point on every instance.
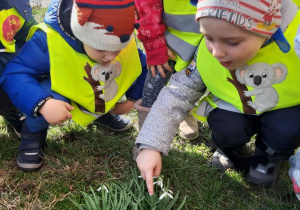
(110, 56)
(218, 52)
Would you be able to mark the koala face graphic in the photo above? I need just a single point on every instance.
(261, 75)
(259, 78)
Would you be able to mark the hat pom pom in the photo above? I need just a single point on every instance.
(136, 25)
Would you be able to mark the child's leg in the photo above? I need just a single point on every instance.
(153, 86)
(33, 137)
(280, 130)
(230, 132)
(11, 113)
(189, 127)
(277, 140)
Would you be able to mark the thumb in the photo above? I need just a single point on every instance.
(68, 106)
(171, 54)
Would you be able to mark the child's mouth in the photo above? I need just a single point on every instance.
(225, 63)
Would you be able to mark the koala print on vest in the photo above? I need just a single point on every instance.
(107, 75)
(261, 76)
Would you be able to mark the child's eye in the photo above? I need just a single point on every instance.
(208, 38)
(233, 43)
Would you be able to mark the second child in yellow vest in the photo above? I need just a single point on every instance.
(248, 64)
(77, 65)
(170, 37)
(15, 22)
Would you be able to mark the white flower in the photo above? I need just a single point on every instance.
(165, 194)
(104, 187)
(159, 183)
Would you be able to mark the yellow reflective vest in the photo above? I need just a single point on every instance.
(182, 34)
(93, 89)
(297, 2)
(10, 22)
(267, 82)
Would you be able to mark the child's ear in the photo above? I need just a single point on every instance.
(83, 15)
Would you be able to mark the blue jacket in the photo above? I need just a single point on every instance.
(21, 77)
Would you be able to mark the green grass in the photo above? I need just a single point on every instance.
(79, 160)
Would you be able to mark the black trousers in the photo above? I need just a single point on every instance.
(278, 130)
(4, 100)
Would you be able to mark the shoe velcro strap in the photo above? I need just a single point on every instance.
(26, 145)
(36, 136)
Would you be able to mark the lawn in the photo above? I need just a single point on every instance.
(92, 168)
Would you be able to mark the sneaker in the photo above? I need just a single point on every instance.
(114, 122)
(221, 161)
(30, 157)
(264, 173)
(15, 118)
(188, 129)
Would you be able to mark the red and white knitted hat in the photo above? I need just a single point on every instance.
(262, 17)
(268, 18)
(103, 24)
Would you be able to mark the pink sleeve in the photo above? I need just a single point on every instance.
(151, 30)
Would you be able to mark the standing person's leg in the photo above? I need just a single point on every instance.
(230, 132)
(276, 141)
(152, 87)
(33, 137)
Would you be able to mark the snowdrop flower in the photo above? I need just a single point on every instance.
(165, 194)
(104, 187)
(159, 183)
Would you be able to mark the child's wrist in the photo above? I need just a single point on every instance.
(36, 110)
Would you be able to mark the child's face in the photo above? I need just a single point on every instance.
(101, 56)
(231, 45)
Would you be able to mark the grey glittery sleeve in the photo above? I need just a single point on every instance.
(173, 103)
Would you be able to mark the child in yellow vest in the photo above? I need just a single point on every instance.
(77, 65)
(15, 21)
(248, 64)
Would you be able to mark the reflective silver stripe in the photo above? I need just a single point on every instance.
(180, 47)
(185, 23)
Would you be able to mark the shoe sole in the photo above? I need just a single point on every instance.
(188, 139)
(251, 177)
(118, 130)
(27, 167)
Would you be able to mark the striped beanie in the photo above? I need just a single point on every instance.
(103, 24)
(262, 17)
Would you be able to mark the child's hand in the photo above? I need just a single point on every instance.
(160, 68)
(149, 163)
(56, 112)
(122, 107)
